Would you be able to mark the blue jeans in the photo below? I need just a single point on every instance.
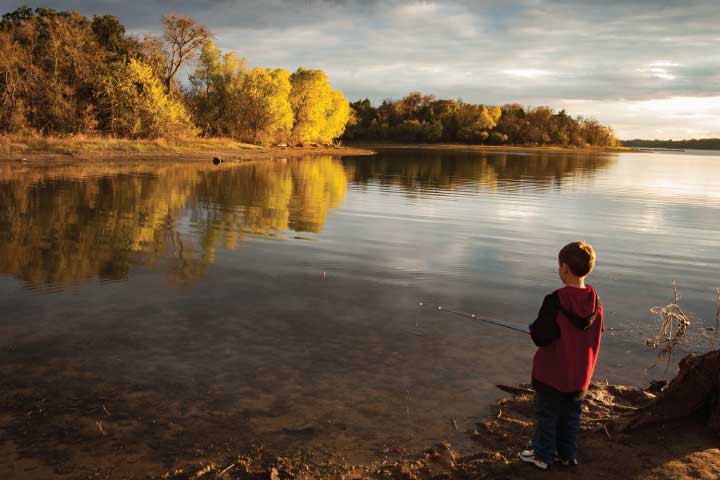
(557, 423)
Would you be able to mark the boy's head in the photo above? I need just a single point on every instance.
(576, 261)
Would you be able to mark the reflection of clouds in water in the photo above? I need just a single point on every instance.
(509, 236)
(406, 236)
(516, 212)
(667, 178)
(649, 220)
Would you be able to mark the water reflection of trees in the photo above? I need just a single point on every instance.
(417, 170)
(63, 224)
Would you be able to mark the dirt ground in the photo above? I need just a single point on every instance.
(265, 153)
(44, 442)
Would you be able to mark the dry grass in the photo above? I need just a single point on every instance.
(674, 323)
(678, 327)
(67, 145)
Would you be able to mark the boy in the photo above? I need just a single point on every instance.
(568, 331)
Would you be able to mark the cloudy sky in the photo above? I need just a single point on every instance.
(650, 69)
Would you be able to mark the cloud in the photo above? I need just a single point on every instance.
(661, 70)
(531, 73)
(525, 51)
(673, 117)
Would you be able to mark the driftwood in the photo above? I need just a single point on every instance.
(515, 390)
(695, 389)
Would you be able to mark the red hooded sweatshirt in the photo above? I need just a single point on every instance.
(568, 331)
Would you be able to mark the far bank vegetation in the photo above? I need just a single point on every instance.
(691, 144)
(424, 118)
(65, 75)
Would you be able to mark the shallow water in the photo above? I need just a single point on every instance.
(277, 301)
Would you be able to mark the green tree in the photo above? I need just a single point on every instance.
(203, 97)
(228, 86)
(110, 34)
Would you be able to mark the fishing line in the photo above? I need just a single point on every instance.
(491, 321)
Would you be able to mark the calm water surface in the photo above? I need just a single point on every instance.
(277, 301)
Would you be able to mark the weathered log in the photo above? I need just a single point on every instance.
(515, 390)
(695, 389)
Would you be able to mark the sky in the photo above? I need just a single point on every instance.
(649, 69)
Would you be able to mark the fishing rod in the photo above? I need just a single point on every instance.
(492, 321)
(489, 320)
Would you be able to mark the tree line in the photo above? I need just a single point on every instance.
(692, 144)
(424, 118)
(64, 73)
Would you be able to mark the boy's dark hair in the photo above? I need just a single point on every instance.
(579, 256)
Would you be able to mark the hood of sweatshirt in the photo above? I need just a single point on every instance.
(579, 305)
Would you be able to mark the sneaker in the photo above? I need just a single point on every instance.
(568, 463)
(528, 456)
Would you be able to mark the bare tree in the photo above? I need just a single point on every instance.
(183, 39)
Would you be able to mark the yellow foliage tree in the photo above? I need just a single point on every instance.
(264, 97)
(336, 117)
(138, 105)
(320, 113)
(495, 113)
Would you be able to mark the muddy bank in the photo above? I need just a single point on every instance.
(68, 436)
(199, 155)
(197, 151)
(681, 450)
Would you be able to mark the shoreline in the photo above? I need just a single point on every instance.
(459, 147)
(680, 450)
(33, 148)
(200, 154)
(262, 153)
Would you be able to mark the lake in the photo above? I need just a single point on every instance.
(199, 308)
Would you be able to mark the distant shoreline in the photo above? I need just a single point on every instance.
(89, 148)
(459, 147)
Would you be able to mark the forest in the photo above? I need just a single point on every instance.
(62, 73)
(423, 118)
